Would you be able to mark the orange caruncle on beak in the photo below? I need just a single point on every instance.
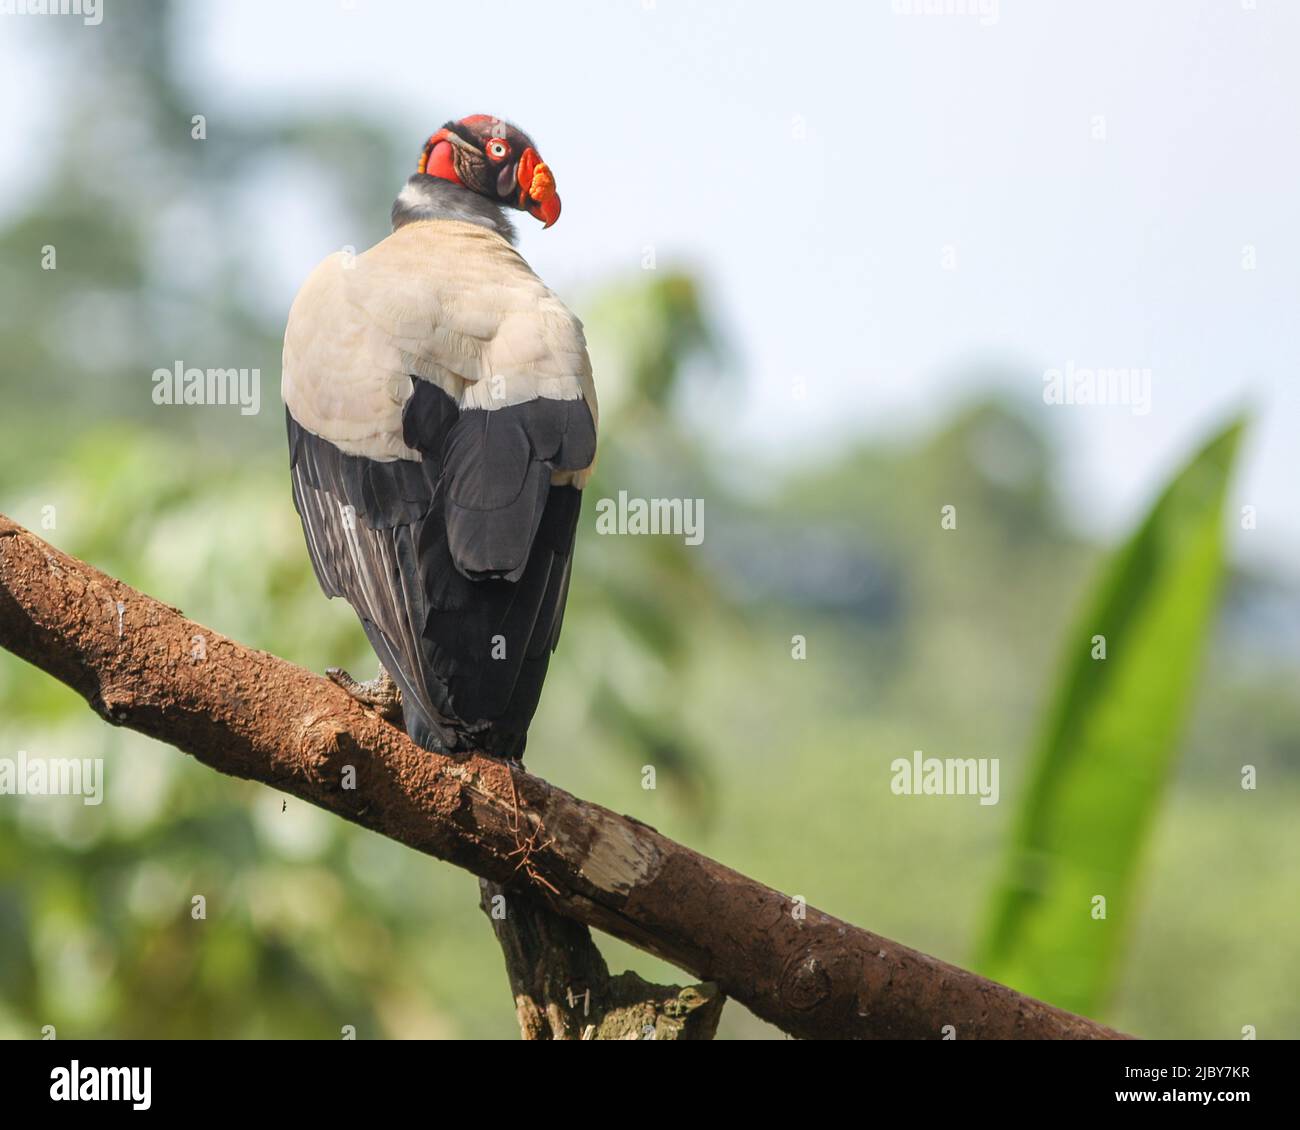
(537, 188)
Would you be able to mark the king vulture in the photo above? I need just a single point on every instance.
(442, 424)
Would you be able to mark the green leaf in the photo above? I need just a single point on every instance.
(1108, 745)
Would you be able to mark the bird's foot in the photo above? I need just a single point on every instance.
(381, 694)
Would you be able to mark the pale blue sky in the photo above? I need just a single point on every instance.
(816, 160)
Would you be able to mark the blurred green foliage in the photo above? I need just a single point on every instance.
(672, 656)
(1111, 739)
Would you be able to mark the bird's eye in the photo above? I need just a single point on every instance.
(497, 149)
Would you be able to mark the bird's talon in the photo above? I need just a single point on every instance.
(381, 694)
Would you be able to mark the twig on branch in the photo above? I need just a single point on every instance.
(561, 984)
(142, 664)
(563, 989)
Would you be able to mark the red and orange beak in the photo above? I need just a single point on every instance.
(537, 188)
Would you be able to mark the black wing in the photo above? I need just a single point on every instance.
(458, 565)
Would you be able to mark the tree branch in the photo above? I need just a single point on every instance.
(142, 664)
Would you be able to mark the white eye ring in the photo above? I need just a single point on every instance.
(497, 148)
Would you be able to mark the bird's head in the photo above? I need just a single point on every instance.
(496, 160)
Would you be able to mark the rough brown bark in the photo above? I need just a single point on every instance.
(142, 664)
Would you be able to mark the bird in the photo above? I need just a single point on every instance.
(442, 420)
